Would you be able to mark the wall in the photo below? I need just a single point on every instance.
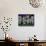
(11, 8)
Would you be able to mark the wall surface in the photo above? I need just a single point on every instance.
(11, 8)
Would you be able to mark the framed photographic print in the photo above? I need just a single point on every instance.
(26, 19)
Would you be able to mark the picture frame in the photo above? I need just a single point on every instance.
(25, 19)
